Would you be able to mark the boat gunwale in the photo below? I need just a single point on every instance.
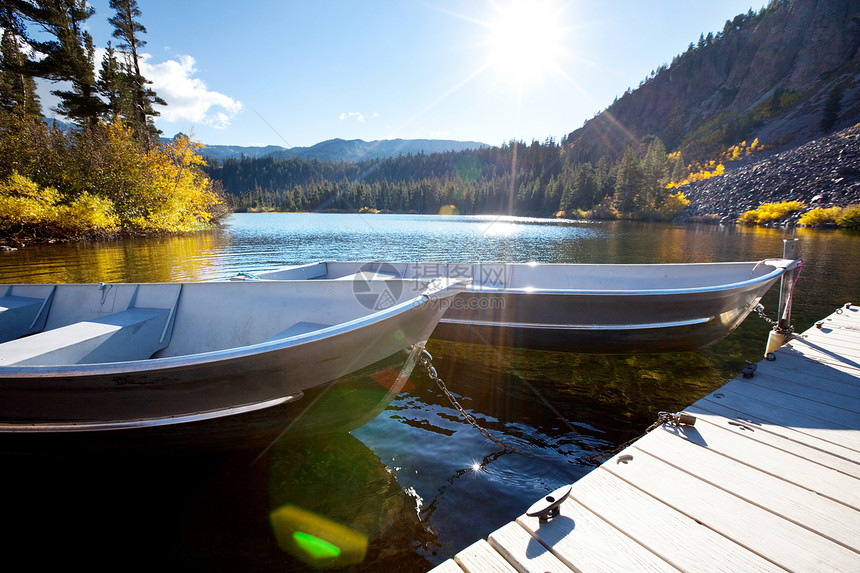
(444, 290)
(780, 267)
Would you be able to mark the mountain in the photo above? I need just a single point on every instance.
(344, 150)
(785, 75)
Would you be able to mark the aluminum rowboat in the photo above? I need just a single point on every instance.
(95, 358)
(591, 308)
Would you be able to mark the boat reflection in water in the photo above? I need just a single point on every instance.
(314, 497)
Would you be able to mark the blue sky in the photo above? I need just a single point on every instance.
(294, 73)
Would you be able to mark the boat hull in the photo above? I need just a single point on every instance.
(593, 323)
(603, 309)
(242, 392)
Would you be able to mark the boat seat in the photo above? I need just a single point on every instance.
(133, 334)
(297, 329)
(22, 315)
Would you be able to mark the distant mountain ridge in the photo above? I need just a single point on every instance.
(343, 150)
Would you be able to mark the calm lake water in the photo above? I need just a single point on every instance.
(418, 481)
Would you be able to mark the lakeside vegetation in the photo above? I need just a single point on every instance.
(110, 174)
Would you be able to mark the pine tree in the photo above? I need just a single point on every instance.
(18, 95)
(68, 56)
(128, 30)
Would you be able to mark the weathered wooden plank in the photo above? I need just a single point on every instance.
(803, 506)
(742, 448)
(523, 551)
(832, 346)
(812, 374)
(587, 543)
(832, 416)
(679, 539)
(795, 387)
(820, 354)
(778, 437)
(479, 557)
(776, 539)
(786, 413)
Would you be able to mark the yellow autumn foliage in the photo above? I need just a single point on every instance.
(770, 212)
(820, 216)
(101, 180)
(23, 203)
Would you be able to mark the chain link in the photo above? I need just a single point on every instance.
(787, 331)
(427, 361)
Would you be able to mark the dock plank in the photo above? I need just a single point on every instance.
(804, 506)
(480, 557)
(768, 479)
(800, 421)
(523, 551)
(774, 538)
(574, 535)
(784, 439)
(678, 538)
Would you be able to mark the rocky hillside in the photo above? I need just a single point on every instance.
(786, 74)
(822, 173)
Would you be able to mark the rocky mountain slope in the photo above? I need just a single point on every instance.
(770, 75)
(822, 173)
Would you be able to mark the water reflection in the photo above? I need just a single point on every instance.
(406, 480)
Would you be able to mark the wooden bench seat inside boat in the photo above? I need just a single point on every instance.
(133, 334)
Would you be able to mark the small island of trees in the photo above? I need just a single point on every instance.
(110, 174)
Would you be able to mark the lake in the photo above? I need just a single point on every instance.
(418, 481)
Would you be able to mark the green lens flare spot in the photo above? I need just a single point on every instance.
(398, 335)
(316, 547)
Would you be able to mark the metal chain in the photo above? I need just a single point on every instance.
(759, 309)
(676, 419)
(427, 361)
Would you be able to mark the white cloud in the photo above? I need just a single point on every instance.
(187, 97)
(352, 115)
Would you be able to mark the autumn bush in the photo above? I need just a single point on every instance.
(101, 180)
(769, 212)
(850, 217)
(820, 216)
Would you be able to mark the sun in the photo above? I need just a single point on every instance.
(525, 40)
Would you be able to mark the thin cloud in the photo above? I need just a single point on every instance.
(188, 98)
(352, 115)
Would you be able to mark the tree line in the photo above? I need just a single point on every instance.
(541, 179)
(110, 173)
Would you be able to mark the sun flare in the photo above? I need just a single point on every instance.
(525, 39)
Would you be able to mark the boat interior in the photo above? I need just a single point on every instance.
(97, 323)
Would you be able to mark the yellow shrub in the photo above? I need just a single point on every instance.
(850, 217)
(23, 203)
(820, 216)
(771, 212)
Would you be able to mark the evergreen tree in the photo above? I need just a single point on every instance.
(18, 95)
(628, 182)
(68, 56)
(128, 30)
(111, 85)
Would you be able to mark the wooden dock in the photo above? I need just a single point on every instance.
(768, 479)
